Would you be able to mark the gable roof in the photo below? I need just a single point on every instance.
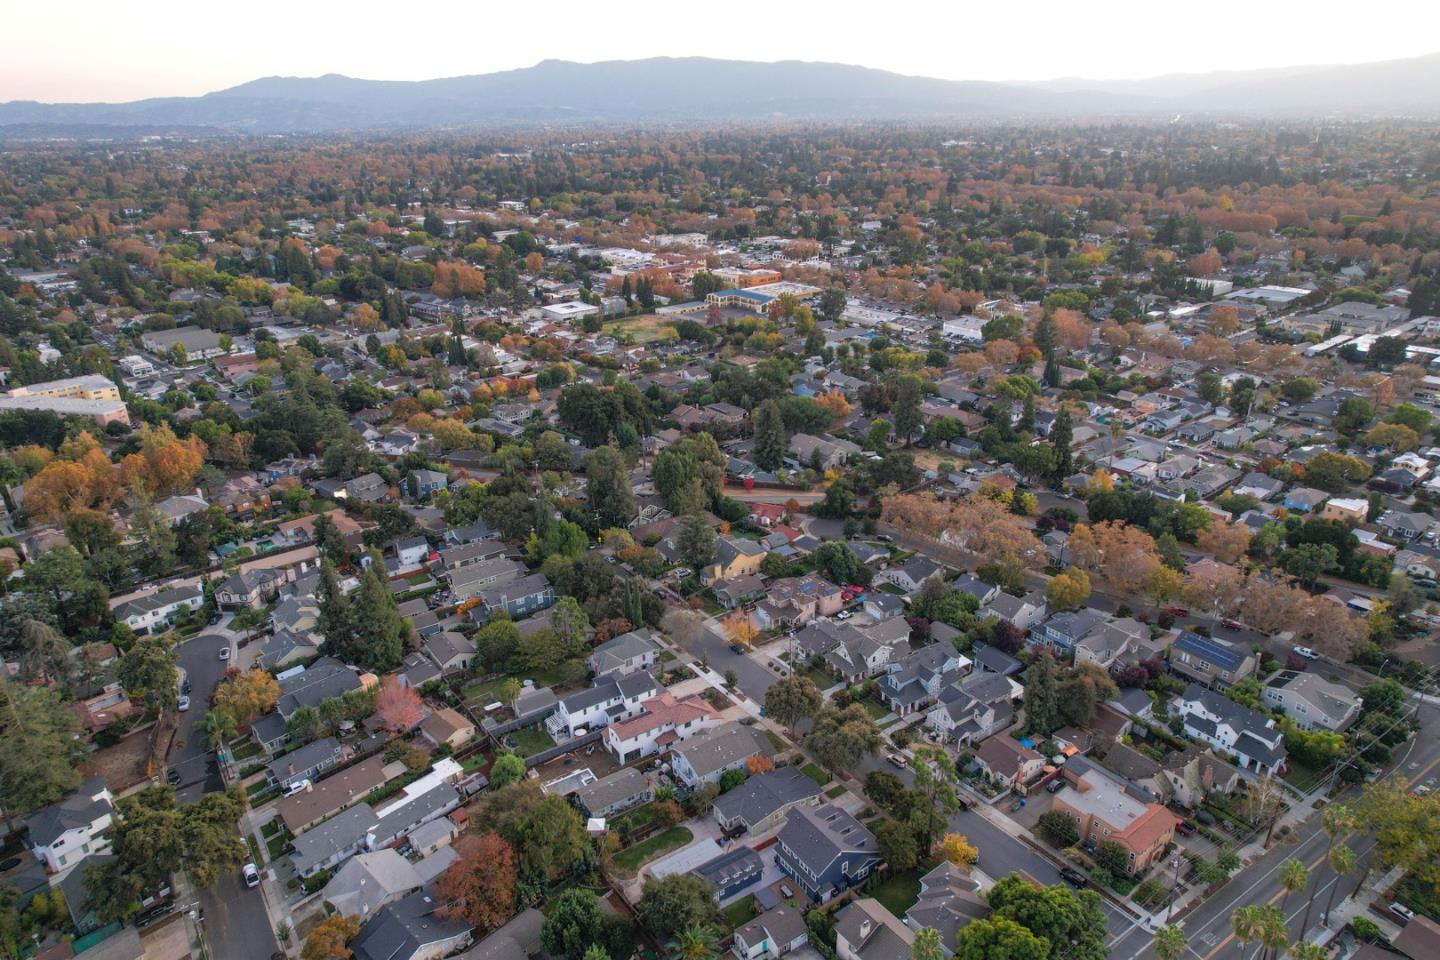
(760, 796)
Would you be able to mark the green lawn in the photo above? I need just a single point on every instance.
(278, 844)
(484, 691)
(631, 858)
(889, 587)
(777, 741)
(531, 740)
(813, 771)
(835, 791)
(739, 913)
(820, 678)
(898, 891)
(874, 707)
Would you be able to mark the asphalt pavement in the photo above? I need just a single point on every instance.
(191, 756)
(237, 926)
(712, 646)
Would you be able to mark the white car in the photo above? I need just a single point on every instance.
(299, 786)
(225, 653)
(1306, 652)
(899, 760)
(252, 876)
(1402, 911)
(183, 704)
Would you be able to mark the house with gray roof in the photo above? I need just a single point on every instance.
(304, 763)
(763, 800)
(410, 929)
(322, 680)
(368, 881)
(327, 844)
(825, 850)
(1311, 701)
(1023, 612)
(773, 934)
(616, 793)
(949, 901)
(910, 575)
(974, 708)
(914, 681)
(70, 829)
(707, 757)
(1249, 735)
(866, 930)
(636, 650)
(732, 872)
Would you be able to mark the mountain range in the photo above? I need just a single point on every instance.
(700, 89)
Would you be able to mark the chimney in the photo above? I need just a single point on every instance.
(864, 928)
(290, 769)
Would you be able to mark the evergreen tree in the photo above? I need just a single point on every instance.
(382, 631)
(1045, 336)
(1062, 434)
(327, 538)
(770, 440)
(155, 537)
(1042, 714)
(1026, 423)
(607, 488)
(906, 407)
(1052, 372)
(336, 621)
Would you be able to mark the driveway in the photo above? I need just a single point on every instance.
(191, 756)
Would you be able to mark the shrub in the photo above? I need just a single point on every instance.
(1366, 929)
(1058, 829)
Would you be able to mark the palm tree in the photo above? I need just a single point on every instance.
(927, 945)
(1170, 943)
(1293, 876)
(1342, 862)
(1246, 923)
(1305, 950)
(1274, 934)
(698, 943)
(1337, 821)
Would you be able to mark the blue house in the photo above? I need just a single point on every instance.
(731, 872)
(518, 598)
(1061, 632)
(825, 850)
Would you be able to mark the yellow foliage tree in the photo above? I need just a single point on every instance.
(958, 850)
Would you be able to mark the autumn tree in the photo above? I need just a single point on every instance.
(479, 887)
(1115, 552)
(398, 705)
(955, 848)
(1068, 590)
(330, 938)
(1226, 542)
(242, 699)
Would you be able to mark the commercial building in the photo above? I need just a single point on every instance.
(88, 396)
(1105, 810)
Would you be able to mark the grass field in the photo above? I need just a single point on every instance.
(631, 858)
(739, 913)
(529, 740)
(646, 329)
(835, 791)
(898, 891)
(813, 771)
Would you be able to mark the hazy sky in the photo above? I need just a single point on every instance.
(108, 50)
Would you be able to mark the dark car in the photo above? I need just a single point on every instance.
(173, 777)
(1055, 786)
(1185, 828)
(1074, 877)
(9, 863)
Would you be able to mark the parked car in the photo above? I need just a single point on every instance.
(252, 876)
(1185, 828)
(1232, 624)
(1177, 611)
(299, 786)
(225, 652)
(183, 704)
(173, 777)
(737, 648)
(899, 760)
(1306, 652)
(1055, 786)
(1074, 877)
(1402, 911)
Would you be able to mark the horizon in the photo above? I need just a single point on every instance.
(114, 57)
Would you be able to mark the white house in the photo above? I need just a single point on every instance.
(1311, 701)
(1248, 734)
(614, 697)
(66, 832)
(663, 722)
(709, 756)
(148, 611)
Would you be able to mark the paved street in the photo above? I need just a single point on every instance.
(200, 656)
(712, 646)
(236, 924)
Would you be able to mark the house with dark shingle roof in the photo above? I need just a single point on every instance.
(66, 832)
(825, 850)
(410, 929)
(763, 800)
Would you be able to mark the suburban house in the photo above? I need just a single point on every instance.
(1310, 701)
(854, 653)
(914, 681)
(618, 792)
(447, 726)
(451, 652)
(1021, 612)
(796, 600)
(1105, 810)
(773, 934)
(612, 698)
(410, 929)
(1110, 641)
(949, 900)
(518, 598)
(731, 872)
(369, 881)
(69, 830)
(252, 588)
(304, 763)
(1351, 510)
(663, 721)
(148, 611)
(1008, 762)
(636, 650)
(709, 756)
(909, 576)
(1210, 660)
(735, 557)
(975, 708)
(866, 930)
(762, 801)
(323, 679)
(469, 579)
(1248, 734)
(1062, 631)
(825, 850)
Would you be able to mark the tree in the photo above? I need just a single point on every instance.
(39, 749)
(897, 845)
(839, 563)
(793, 699)
(928, 945)
(382, 631)
(241, 700)
(1042, 712)
(1406, 827)
(1111, 856)
(700, 942)
(148, 669)
(336, 621)
(329, 938)
(695, 541)
(607, 488)
(770, 440)
(840, 737)
(1170, 943)
(1058, 829)
(1068, 590)
(955, 848)
(1335, 472)
(572, 924)
(398, 706)
(546, 833)
(507, 769)
(328, 539)
(832, 304)
(44, 654)
(999, 938)
(479, 887)
(673, 903)
(1072, 921)
(906, 407)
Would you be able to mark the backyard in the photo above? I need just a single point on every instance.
(630, 859)
(530, 740)
(897, 890)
